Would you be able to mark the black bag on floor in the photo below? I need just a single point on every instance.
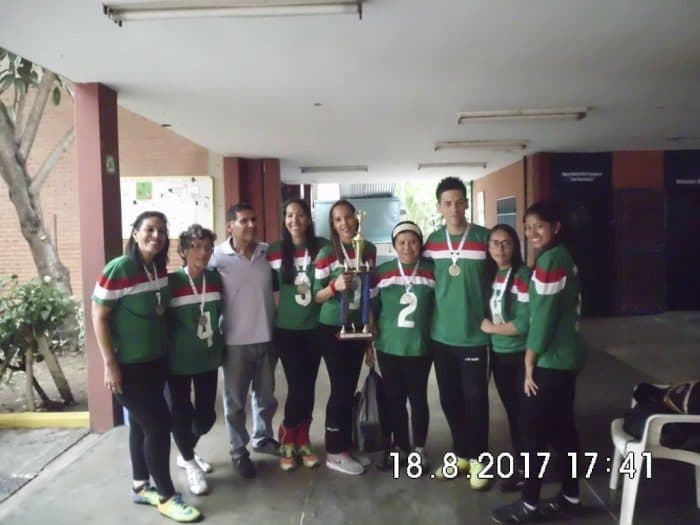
(369, 415)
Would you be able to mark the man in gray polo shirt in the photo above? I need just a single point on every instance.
(249, 356)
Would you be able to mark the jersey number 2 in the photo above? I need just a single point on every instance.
(410, 307)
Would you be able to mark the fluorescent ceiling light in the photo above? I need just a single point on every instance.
(429, 165)
(523, 114)
(498, 145)
(332, 169)
(168, 9)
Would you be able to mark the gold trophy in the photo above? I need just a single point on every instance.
(357, 297)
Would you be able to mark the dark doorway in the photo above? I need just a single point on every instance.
(582, 183)
(682, 175)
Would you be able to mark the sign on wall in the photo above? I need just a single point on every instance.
(183, 200)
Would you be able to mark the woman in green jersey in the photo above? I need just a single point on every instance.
(555, 354)
(403, 294)
(507, 324)
(343, 358)
(128, 315)
(195, 350)
(296, 329)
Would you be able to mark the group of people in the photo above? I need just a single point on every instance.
(464, 300)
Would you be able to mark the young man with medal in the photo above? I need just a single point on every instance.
(459, 347)
(296, 329)
(249, 356)
(402, 300)
(195, 350)
(128, 307)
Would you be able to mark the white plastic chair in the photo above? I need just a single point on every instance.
(651, 442)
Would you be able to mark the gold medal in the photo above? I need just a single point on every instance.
(454, 270)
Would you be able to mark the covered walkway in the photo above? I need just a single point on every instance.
(89, 482)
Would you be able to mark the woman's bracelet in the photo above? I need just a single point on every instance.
(332, 287)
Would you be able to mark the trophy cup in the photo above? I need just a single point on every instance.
(357, 297)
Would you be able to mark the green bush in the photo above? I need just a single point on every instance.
(33, 309)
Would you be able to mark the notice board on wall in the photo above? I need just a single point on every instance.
(183, 200)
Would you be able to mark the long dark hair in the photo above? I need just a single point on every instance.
(132, 247)
(551, 212)
(516, 261)
(335, 239)
(287, 269)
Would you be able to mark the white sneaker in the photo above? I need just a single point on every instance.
(344, 463)
(363, 460)
(195, 478)
(203, 464)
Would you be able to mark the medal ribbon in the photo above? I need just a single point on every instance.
(408, 281)
(497, 301)
(455, 256)
(152, 279)
(194, 289)
(302, 269)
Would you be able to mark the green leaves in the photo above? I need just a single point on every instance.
(35, 307)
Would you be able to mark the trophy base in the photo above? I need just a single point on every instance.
(354, 336)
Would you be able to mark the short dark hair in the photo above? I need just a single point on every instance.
(191, 234)
(233, 211)
(132, 247)
(450, 183)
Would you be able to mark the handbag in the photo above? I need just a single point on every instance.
(370, 416)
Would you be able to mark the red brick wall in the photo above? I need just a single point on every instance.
(145, 148)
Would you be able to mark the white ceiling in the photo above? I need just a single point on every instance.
(392, 83)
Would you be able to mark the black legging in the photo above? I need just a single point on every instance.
(463, 381)
(300, 353)
(343, 362)
(189, 421)
(509, 375)
(149, 419)
(545, 418)
(406, 378)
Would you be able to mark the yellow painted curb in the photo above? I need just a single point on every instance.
(45, 419)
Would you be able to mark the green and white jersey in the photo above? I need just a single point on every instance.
(517, 310)
(329, 267)
(137, 329)
(555, 308)
(460, 300)
(403, 322)
(296, 309)
(195, 345)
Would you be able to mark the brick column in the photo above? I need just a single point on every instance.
(97, 165)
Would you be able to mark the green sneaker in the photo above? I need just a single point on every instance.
(448, 471)
(477, 482)
(288, 460)
(177, 510)
(146, 496)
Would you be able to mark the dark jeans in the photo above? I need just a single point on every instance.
(343, 362)
(548, 418)
(300, 353)
(191, 421)
(149, 420)
(463, 381)
(406, 378)
(509, 375)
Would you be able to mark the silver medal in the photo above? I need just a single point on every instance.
(302, 283)
(454, 270)
(160, 309)
(409, 298)
(203, 321)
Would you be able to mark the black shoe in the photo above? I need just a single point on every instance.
(245, 467)
(516, 513)
(559, 506)
(513, 483)
(269, 446)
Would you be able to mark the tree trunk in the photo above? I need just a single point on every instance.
(55, 368)
(29, 373)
